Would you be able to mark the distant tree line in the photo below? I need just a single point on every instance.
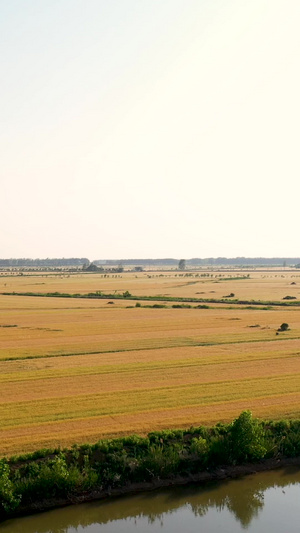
(72, 261)
(209, 261)
(92, 267)
(119, 263)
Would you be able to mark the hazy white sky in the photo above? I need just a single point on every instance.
(149, 128)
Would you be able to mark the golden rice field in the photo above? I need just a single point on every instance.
(76, 370)
(264, 285)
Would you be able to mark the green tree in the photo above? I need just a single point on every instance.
(90, 268)
(284, 327)
(181, 264)
(247, 439)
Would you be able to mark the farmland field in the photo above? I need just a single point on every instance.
(75, 370)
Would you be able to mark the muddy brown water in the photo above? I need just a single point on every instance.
(264, 502)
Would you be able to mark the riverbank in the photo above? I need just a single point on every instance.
(47, 479)
(219, 474)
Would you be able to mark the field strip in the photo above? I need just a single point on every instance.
(85, 423)
(36, 368)
(65, 433)
(153, 370)
(177, 376)
(111, 403)
(285, 345)
(151, 346)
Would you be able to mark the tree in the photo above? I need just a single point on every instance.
(284, 327)
(91, 268)
(181, 264)
(247, 439)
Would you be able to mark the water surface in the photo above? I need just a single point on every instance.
(260, 503)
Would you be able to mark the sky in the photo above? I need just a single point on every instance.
(149, 128)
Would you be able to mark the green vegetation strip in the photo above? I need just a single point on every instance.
(36, 480)
(127, 296)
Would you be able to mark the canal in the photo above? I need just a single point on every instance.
(264, 502)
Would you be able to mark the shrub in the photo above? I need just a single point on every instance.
(199, 447)
(161, 461)
(8, 499)
(126, 294)
(181, 306)
(219, 450)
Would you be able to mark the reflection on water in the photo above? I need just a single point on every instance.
(248, 504)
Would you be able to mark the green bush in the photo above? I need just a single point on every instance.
(126, 294)
(199, 447)
(160, 462)
(9, 500)
(219, 451)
